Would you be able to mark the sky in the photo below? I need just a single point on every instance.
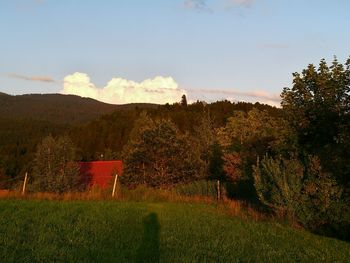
(122, 51)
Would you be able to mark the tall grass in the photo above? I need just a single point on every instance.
(197, 192)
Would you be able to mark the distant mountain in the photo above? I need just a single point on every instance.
(58, 108)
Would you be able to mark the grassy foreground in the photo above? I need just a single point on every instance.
(107, 231)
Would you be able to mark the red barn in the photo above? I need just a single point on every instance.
(100, 173)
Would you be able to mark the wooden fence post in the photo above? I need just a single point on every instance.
(24, 183)
(218, 190)
(115, 184)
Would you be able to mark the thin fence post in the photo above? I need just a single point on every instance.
(24, 183)
(115, 184)
(218, 190)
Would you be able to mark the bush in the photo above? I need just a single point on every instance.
(278, 182)
(321, 207)
(304, 191)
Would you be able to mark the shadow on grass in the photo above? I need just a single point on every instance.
(149, 248)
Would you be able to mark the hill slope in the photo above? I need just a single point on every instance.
(57, 108)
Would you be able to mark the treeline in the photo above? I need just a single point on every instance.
(105, 138)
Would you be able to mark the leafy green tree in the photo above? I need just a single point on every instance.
(54, 167)
(246, 136)
(318, 109)
(253, 129)
(135, 153)
(159, 155)
(205, 137)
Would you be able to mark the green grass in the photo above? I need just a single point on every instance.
(107, 231)
(203, 188)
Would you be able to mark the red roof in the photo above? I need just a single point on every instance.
(100, 173)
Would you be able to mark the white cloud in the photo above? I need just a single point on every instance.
(159, 90)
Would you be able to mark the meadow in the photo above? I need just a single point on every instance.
(129, 231)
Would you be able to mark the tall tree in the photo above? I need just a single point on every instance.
(184, 101)
(205, 137)
(54, 168)
(318, 109)
(159, 155)
(248, 135)
(256, 127)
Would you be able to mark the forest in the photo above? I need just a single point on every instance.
(293, 159)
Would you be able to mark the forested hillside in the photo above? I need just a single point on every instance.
(56, 108)
(26, 119)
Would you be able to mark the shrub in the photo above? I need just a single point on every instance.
(305, 191)
(321, 206)
(278, 182)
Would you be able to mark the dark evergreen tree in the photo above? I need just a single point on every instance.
(184, 101)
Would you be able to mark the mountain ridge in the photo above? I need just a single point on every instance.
(59, 108)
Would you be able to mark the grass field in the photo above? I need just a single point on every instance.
(107, 231)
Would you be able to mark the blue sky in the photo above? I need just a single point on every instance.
(214, 49)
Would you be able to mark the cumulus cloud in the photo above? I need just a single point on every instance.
(198, 5)
(158, 90)
(32, 78)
